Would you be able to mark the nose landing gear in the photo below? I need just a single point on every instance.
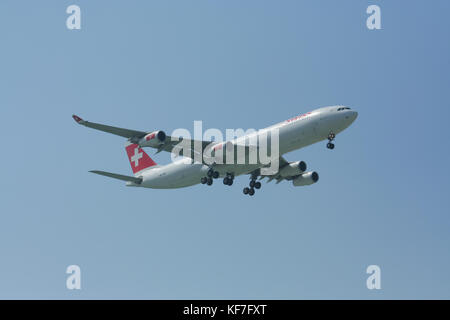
(330, 144)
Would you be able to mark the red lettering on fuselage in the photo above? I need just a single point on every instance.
(298, 117)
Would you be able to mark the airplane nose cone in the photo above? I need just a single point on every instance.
(352, 115)
(349, 117)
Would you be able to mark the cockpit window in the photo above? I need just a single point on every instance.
(343, 108)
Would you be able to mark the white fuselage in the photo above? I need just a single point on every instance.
(295, 133)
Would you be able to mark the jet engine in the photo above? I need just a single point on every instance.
(153, 139)
(293, 169)
(306, 179)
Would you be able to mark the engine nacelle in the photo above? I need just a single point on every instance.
(306, 179)
(293, 169)
(153, 139)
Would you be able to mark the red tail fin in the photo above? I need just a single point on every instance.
(139, 160)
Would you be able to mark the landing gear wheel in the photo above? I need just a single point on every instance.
(331, 137)
(209, 181)
(228, 180)
(252, 184)
(215, 174)
(257, 185)
(210, 173)
(251, 191)
(246, 190)
(203, 180)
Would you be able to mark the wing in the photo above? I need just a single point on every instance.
(168, 144)
(282, 163)
(191, 146)
(126, 133)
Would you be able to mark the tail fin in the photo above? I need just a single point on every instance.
(139, 160)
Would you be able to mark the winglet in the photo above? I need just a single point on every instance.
(77, 119)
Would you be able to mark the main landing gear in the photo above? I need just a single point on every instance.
(330, 144)
(253, 185)
(228, 180)
(206, 180)
(210, 175)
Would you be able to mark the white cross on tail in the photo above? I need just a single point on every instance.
(137, 155)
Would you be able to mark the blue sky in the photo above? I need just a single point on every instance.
(383, 192)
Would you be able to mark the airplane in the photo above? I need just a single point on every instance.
(294, 133)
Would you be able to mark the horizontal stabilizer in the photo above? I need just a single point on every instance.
(118, 176)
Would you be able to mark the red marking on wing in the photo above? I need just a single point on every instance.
(77, 118)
